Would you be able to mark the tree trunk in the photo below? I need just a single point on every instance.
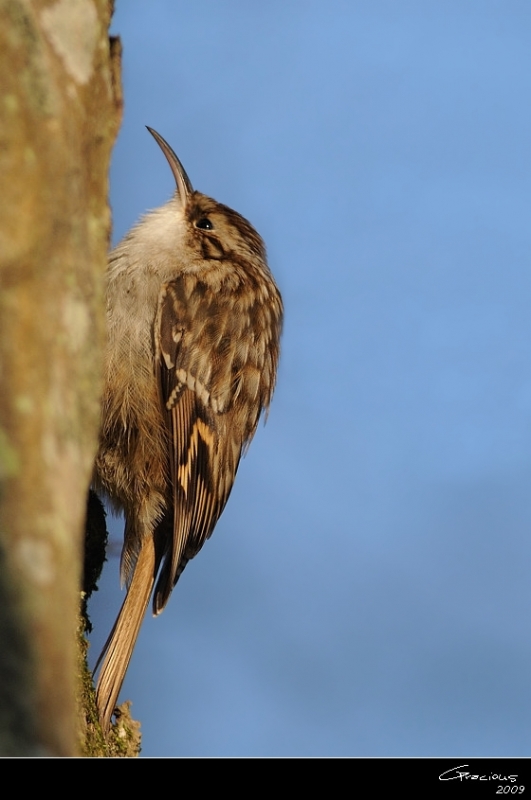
(60, 108)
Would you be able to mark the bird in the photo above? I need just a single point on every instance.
(194, 320)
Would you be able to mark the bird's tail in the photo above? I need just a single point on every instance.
(119, 646)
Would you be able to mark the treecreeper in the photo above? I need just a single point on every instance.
(194, 320)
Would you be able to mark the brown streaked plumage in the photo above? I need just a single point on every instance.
(194, 322)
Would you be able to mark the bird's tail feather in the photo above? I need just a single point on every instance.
(119, 646)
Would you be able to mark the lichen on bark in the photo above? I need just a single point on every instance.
(60, 109)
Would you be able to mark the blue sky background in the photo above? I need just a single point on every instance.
(367, 591)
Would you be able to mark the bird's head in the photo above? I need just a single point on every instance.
(214, 232)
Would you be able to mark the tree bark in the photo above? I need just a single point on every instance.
(60, 108)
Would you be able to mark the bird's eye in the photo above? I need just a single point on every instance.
(204, 223)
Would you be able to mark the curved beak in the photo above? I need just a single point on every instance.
(184, 187)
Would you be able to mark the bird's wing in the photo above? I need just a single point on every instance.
(203, 450)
